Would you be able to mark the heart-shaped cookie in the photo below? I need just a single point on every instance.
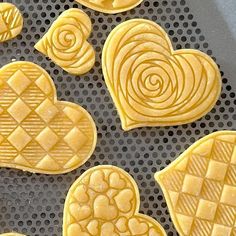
(37, 132)
(103, 209)
(200, 186)
(123, 200)
(110, 6)
(116, 182)
(66, 43)
(80, 212)
(153, 85)
(116, 214)
(97, 181)
(108, 229)
(11, 21)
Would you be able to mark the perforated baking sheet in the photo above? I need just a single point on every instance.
(33, 204)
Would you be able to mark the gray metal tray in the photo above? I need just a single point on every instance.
(33, 204)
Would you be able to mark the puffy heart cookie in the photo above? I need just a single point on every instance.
(153, 85)
(105, 201)
(37, 132)
(66, 42)
(11, 21)
(110, 6)
(200, 187)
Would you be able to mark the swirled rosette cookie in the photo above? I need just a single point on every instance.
(105, 201)
(110, 6)
(200, 187)
(66, 43)
(38, 133)
(153, 85)
(11, 21)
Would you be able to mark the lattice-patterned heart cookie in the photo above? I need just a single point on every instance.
(37, 132)
(200, 187)
(153, 85)
(66, 43)
(11, 21)
(104, 201)
(110, 6)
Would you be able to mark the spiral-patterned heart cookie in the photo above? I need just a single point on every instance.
(153, 85)
(105, 201)
(110, 6)
(200, 187)
(66, 42)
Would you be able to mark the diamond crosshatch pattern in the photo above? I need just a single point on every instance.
(39, 133)
(33, 204)
(204, 199)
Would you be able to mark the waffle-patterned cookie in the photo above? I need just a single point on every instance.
(66, 43)
(110, 6)
(200, 187)
(105, 201)
(37, 132)
(153, 85)
(11, 21)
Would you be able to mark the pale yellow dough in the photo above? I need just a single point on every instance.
(38, 133)
(105, 201)
(110, 6)
(200, 187)
(153, 85)
(11, 21)
(66, 43)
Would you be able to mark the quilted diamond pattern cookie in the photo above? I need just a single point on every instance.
(200, 187)
(105, 201)
(37, 132)
(110, 6)
(66, 43)
(153, 85)
(11, 21)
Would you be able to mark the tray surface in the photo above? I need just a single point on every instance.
(33, 204)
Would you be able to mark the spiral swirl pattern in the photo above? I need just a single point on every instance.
(65, 42)
(110, 6)
(153, 85)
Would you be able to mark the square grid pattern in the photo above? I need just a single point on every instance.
(202, 189)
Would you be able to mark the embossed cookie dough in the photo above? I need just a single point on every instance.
(11, 21)
(105, 201)
(200, 187)
(37, 132)
(110, 6)
(66, 43)
(153, 85)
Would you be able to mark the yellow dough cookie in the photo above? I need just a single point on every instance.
(66, 43)
(200, 187)
(153, 85)
(11, 21)
(105, 201)
(110, 6)
(37, 132)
